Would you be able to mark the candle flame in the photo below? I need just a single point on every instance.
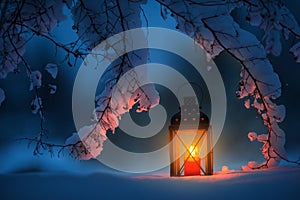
(193, 150)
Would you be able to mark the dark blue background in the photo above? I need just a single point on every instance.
(233, 148)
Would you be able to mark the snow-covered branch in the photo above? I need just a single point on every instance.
(95, 22)
(215, 30)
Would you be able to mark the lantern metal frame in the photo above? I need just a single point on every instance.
(176, 166)
(188, 133)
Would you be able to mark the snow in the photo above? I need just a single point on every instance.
(277, 140)
(252, 136)
(247, 103)
(36, 105)
(52, 69)
(92, 137)
(226, 170)
(273, 44)
(163, 12)
(254, 16)
(262, 137)
(296, 51)
(25, 176)
(52, 88)
(222, 24)
(35, 80)
(277, 183)
(251, 165)
(274, 19)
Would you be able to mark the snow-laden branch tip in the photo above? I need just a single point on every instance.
(296, 51)
(35, 80)
(52, 69)
(52, 88)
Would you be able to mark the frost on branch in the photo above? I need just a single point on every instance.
(212, 26)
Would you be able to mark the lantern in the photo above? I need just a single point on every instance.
(190, 141)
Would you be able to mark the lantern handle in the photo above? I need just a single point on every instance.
(196, 84)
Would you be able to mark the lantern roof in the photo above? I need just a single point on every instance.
(189, 112)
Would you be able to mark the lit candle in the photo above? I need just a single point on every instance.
(192, 162)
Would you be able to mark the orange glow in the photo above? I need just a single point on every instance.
(191, 166)
(194, 151)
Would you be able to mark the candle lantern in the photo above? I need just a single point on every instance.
(190, 138)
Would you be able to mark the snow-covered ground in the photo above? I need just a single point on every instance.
(24, 176)
(277, 183)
